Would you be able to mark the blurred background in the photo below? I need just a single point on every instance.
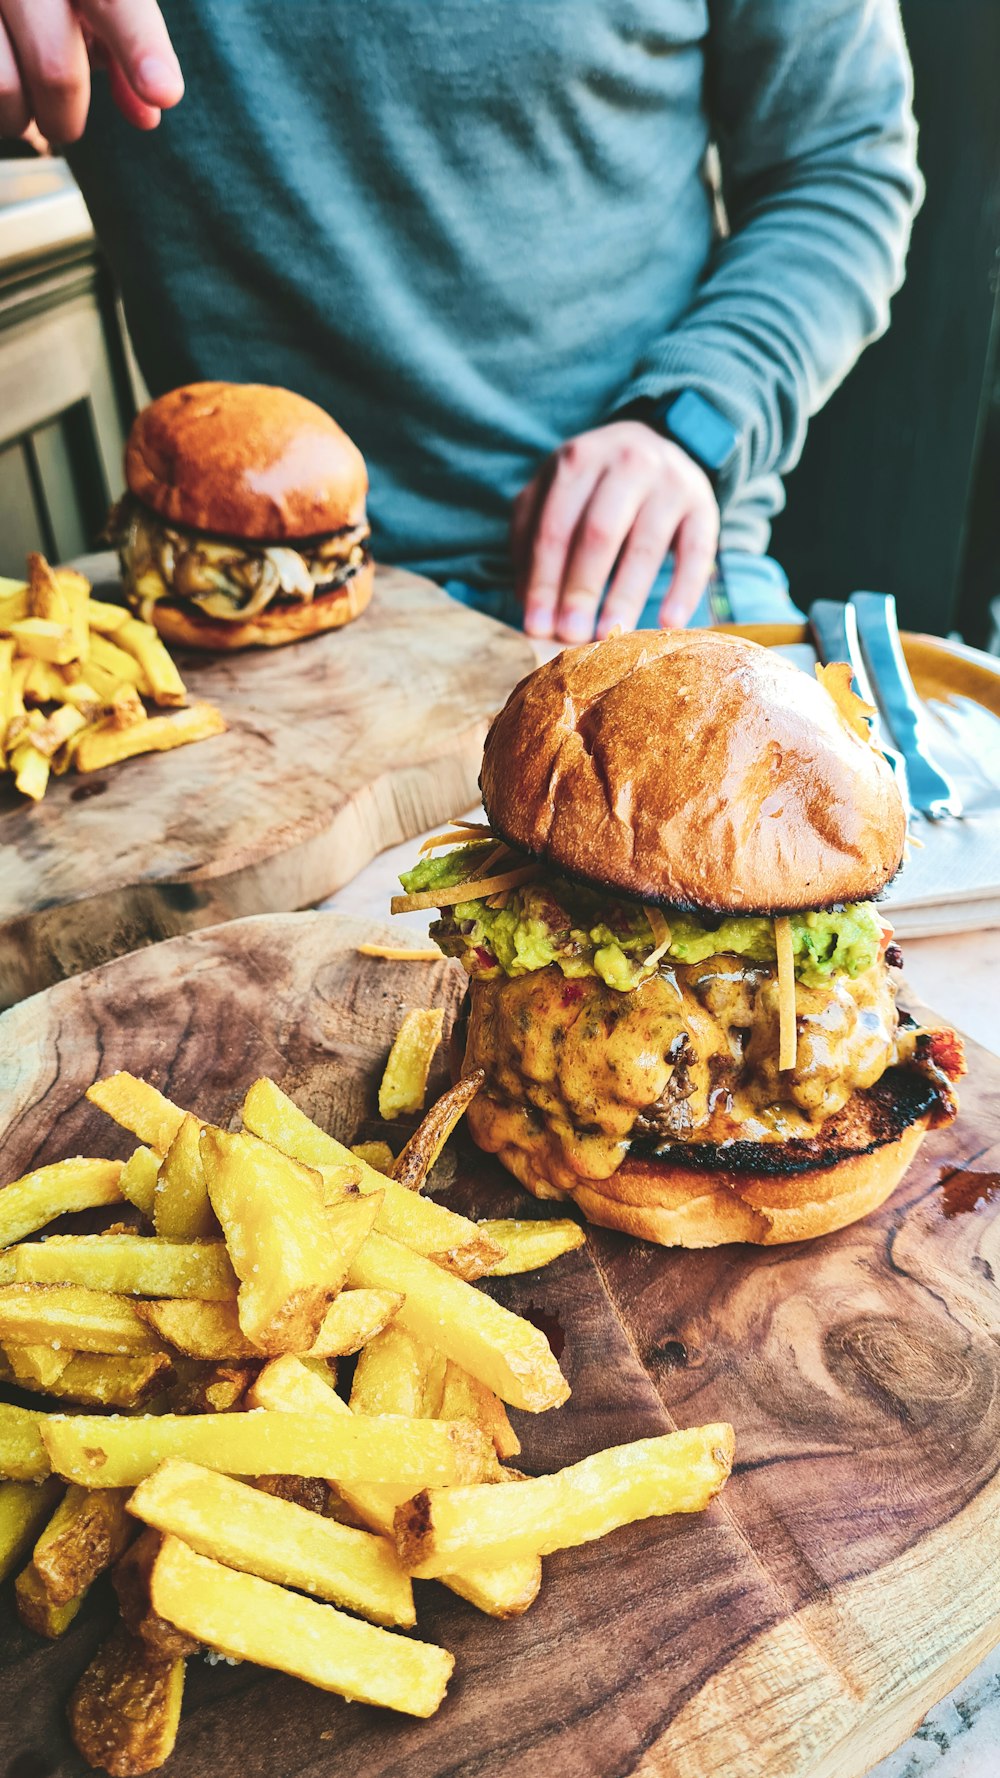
(899, 486)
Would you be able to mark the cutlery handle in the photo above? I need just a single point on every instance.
(933, 793)
(834, 627)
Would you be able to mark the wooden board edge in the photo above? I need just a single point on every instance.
(821, 1694)
(67, 940)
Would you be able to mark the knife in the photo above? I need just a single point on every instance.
(930, 790)
(834, 627)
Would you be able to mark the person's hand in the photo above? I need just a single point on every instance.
(47, 46)
(618, 495)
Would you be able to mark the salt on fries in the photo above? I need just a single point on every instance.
(264, 1255)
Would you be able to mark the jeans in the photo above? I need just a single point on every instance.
(756, 587)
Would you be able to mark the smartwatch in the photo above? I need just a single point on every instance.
(698, 427)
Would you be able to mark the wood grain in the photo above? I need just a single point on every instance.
(337, 747)
(849, 1576)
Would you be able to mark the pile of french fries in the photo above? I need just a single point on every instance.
(73, 675)
(243, 1505)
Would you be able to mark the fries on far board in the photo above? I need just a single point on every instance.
(74, 672)
(240, 1501)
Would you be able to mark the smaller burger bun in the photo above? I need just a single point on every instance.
(696, 769)
(287, 621)
(245, 460)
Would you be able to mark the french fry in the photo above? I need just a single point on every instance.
(108, 1452)
(415, 1161)
(428, 1228)
(37, 1611)
(142, 641)
(105, 617)
(23, 1457)
(401, 953)
(131, 1578)
(6, 671)
(404, 1084)
(310, 1492)
(84, 1320)
(254, 1620)
(209, 1388)
(290, 1253)
(375, 1154)
(528, 1245)
(88, 1531)
(44, 640)
(31, 770)
(465, 1398)
(37, 1366)
(125, 707)
(24, 1508)
(45, 597)
(101, 747)
(501, 1590)
(84, 697)
(58, 729)
(92, 1379)
(39, 1197)
(287, 1386)
(509, 1355)
(106, 657)
(102, 683)
(43, 684)
(13, 602)
(137, 1179)
(398, 1374)
(139, 1265)
(264, 1535)
(138, 1107)
(680, 1472)
(125, 1710)
(212, 1330)
(181, 1210)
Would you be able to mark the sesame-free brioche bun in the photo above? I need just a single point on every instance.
(187, 627)
(694, 769)
(245, 460)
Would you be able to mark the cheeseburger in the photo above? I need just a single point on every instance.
(245, 518)
(680, 983)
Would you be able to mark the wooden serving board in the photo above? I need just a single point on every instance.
(848, 1577)
(337, 747)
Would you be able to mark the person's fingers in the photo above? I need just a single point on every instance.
(52, 57)
(133, 109)
(134, 36)
(641, 560)
(558, 516)
(694, 558)
(601, 531)
(15, 114)
(523, 516)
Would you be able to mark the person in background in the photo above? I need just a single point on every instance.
(481, 234)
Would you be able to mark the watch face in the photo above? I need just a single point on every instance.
(709, 437)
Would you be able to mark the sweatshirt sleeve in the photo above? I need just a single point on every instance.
(810, 105)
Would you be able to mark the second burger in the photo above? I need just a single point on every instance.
(245, 518)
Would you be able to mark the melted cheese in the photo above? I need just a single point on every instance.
(573, 1066)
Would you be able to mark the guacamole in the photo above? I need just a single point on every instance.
(590, 932)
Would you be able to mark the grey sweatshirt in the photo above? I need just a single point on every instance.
(473, 228)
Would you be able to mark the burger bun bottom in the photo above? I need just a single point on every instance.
(271, 628)
(677, 1206)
